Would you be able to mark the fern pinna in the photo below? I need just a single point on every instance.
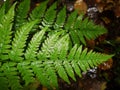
(44, 47)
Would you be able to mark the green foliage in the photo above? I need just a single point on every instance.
(61, 16)
(19, 41)
(38, 12)
(5, 32)
(46, 54)
(21, 13)
(2, 12)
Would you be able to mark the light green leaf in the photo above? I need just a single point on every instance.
(31, 52)
(69, 70)
(19, 41)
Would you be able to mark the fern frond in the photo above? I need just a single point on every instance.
(70, 20)
(39, 70)
(50, 15)
(3, 80)
(69, 26)
(52, 76)
(86, 59)
(34, 44)
(26, 72)
(5, 32)
(66, 63)
(74, 37)
(60, 48)
(8, 4)
(21, 13)
(38, 12)
(87, 27)
(61, 71)
(48, 46)
(60, 20)
(69, 69)
(80, 62)
(19, 41)
(11, 74)
(2, 12)
(76, 68)
(80, 29)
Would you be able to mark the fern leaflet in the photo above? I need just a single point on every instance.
(48, 18)
(11, 74)
(34, 44)
(26, 72)
(21, 13)
(60, 20)
(19, 41)
(2, 12)
(5, 33)
(38, 12)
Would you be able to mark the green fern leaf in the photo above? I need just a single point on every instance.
(60, 20)
(2, 12)
(81, 37)
(48, 46)
(74, 37)
(5, 33)
(49, 15)
(76, 68)
(26, 72)
(21, 13)
(61, 71)
(82, 66)
(72, 52)
(18, 43)
(52, 77)
(89, 30)
(38, 68)
(88, 59)
(38, 12)
(77, 57)
(10, 71)
(78, 52)
(3, 80)
(97, 29)
(83, 54)
(34, 44)
(60, 48)
(83, 58)
(70, 20)
(69, 69)
(78, 35)
(3, 83)
(63, 50)
(8, 4)
(78, 21)
(69, 27)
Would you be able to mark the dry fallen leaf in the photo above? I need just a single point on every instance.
(81, 6)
